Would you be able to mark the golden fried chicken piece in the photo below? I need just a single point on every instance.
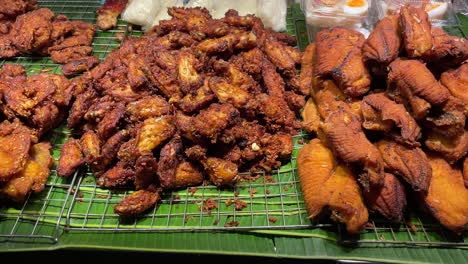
(109, 124)
(221, 172)
(447, 195)
(282, 56)
(307, 69)
(32, 31)
(457, 82)
(146, 168)
(388, 200)
(236, 76)
(11, 9)
(329, 184)
(137, 203)
(111, 148)
(410, 81)
(34, 175)
(345, 136)
(277, 113)
(310, 116)
(210, 122)
(452, 149)
(79, 108)
(231, 42)
(448, 119)
(416, 31)
(188, 77)
(147, 107)
(383, 114)
(465, 172)
(273, 81)
(295, 101)
(154, 132)
(339, 56)
(14, 147)
(118, 176)
(79, 65)
(195, 101)
(383, 44)
(71, 158)
(409, 163)
(90, 147)
(447, 50)
(279, 146)
(226, 92)
(107, 14)
(249, 62)
(166, 84)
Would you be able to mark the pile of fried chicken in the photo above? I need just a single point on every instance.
(194, 98)
(389, 112)
(30, 106)
(24, 29)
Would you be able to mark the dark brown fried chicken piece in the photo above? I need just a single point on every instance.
(456, 81)
(10, 9)
(388, 200)
(383, 44)
(71, 158)
(416, 31)
(447, 51)
(210, 122)
(326, 183)
(108, 13)
(79, 65)
(146, 168)
(221, 172)
(15, 142)
(34, 175)
(452, 149)
(231, 42)
(339, 56)
(409, 81)
(32, 31)
(465, 172)
(409, 163)
(448, 119)
(382, 114)
(120, 175)
(137, 203)
(346, 138)
(447, 195)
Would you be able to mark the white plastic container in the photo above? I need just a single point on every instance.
(440, 12)
(351, 14)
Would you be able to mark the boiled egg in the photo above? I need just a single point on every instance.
(355, 7)
(436, 10)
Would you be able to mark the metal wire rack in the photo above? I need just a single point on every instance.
(269, 202)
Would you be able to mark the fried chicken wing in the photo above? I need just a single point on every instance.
(210, 122)
(169, 160)
(201, 98)
(34, 175)
(277, 113)
(229, 93)
(412, 82)
(118, 176)
(307, 69)
(447, 195)
(448, 119)
(11, 9)
(32, 30)
(221, 172)
(79, 65)
(346, 138)
(109, 124)
(14, 148)
(447, 50)
(409, 163)
(282, 56)
(147, 107)
(188, 65)
(416, 31)
(146, 168)
(457, 82)
(310, 116)
(90, 147)
(71, 158)
(231, 42)
(328, 184)
(452, 149)
(382, 114)
(137, 203)
(339, 56)
(108, 13)
(383, 44)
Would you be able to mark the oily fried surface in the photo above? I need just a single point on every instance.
(310, 116)
(456, 81)
(451, 148)
(11, 9)
(389, 200)
(307, 69)
(137, 203)
(465, 172)
(339, 56)
(70, 159)
(34, 175)
(409, 163)
(383, 114)
(447, 50)
(346, 138)
(14, 148)
(416, 30)
(383, 44)
(107, 14)
(221, 172)
(447, 185)
(328, 184)
(411, 82)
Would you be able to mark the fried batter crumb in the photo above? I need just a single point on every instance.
(239, 204)
(232, 224)
(272, 219)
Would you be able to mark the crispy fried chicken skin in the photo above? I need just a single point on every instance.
(383, 44)
(382, 114)
(310, 116)
(307, 69)
(339, 56)
(447, 195)
(11, 9)
(447, 51)
(410, 82)
(416, 31)
(346, 138)
(456, 81)
(70, 159)
(108, 13)
(328, 184)
(451, 148)
(411, 164)
(465, 172)
(14, 147)
(389, 200)
(137, 203)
